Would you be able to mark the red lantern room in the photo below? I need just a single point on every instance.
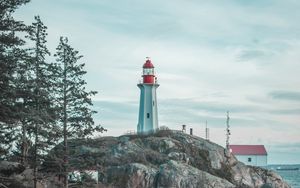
(148, 72)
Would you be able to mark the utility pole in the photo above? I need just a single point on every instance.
(227, 149)
(227, 131)
(184, 128)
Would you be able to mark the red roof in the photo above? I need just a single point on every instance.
(248, 149)
(148, 64)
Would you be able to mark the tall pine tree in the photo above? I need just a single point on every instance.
(42, 121)
(73, 101)
(11, 54)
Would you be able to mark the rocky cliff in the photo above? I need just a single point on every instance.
(163, 160)
(167, 159)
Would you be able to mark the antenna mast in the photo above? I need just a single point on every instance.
(227, 132)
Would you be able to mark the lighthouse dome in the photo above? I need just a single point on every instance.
(148, 64)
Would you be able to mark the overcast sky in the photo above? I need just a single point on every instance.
(210, 57)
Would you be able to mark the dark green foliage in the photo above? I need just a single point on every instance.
(11, 56)
(72, 99)
(42, 119)
(41, 103)
(73, 102)
(41, 124)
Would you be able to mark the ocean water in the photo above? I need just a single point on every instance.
(292, 177)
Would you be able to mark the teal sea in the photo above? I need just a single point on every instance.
(289, 174)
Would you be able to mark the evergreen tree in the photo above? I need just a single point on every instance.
(42, 119)
(73, 100)
(23, 87)
(11, 54)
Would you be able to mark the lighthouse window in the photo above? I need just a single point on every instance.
(148, 115)
(149, 71)
(249, 159)
(153, 103)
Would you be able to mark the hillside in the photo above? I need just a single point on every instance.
(165, 159)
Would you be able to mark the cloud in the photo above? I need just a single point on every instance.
(115, 110)
(285, 95)
(295, 111)
(251, 54)
(210, 57)
(283, 147)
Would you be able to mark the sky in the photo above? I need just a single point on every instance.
(210, 57)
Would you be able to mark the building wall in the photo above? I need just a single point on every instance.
(262, 160)
(148, 120)
(255, 160)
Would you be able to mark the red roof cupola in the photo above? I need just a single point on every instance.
(148, 64)
(148, 72)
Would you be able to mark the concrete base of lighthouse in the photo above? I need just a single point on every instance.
(148, 120)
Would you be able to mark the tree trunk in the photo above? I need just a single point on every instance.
(24, 149)
(38, 114)
(35, 155)
(65, 126)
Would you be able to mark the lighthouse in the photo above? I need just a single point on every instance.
(148, 121)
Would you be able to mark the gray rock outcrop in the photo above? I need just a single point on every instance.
(166, 159)
(8, 168)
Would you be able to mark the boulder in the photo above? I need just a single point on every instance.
(8, 168)
(180, 175)
(132, 175)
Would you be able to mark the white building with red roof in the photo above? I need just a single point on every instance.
(255, 155)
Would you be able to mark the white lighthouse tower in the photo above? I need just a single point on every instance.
(148, 121)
